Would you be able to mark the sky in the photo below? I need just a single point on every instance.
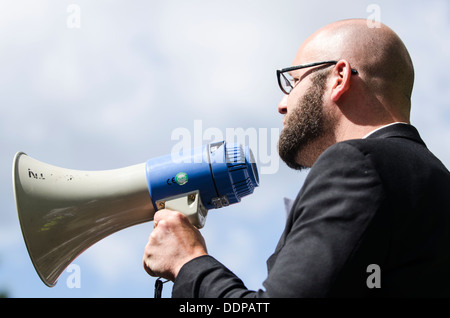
(99, 85)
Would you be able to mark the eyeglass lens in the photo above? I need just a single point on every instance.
(286, 82)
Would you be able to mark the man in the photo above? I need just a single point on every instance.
(373, 216)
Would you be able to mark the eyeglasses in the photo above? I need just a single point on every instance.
(287, 82)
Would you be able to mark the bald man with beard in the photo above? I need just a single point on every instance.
(373, 216)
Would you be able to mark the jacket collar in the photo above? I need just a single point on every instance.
(399, 130)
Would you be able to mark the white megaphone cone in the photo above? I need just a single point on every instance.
(63, 212)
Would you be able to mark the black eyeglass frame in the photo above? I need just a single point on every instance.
(298, 67)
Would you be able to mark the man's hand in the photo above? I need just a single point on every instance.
(173, 242)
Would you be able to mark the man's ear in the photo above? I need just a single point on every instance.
(341, 79)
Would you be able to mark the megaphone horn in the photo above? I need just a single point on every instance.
(62, 212)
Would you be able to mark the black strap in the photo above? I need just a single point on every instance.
(158, 287)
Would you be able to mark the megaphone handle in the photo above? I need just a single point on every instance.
(190, 204)
(158, 287)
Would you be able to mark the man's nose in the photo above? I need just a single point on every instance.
(282, 106)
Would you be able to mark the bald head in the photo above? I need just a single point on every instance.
(379, 55)
(335, 104)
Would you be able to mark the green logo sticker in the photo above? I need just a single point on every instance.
(181, 178)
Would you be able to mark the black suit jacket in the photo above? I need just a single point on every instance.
(383, 200)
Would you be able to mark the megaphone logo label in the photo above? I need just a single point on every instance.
(181, 178)
(35, 175)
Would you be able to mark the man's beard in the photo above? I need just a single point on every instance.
(305, 125)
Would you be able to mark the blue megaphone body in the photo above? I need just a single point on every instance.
(209, 177)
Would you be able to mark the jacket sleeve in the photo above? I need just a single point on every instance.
(338, 200)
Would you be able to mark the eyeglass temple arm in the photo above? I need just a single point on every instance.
(293, 68)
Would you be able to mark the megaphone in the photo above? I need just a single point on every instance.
(62, 212)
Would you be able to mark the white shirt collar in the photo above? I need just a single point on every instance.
(382, 128)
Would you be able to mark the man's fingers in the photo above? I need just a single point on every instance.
(170, 216)
(173, 242)
(147, 268)
(162, 214)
